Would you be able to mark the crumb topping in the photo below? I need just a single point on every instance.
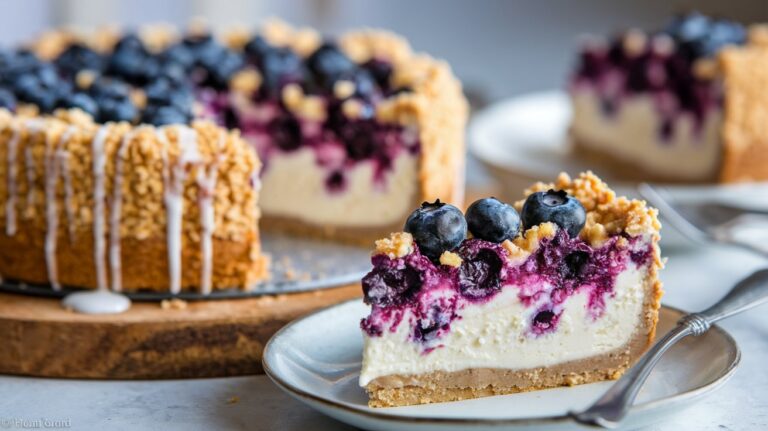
(607, 215)
(399, 244)
(450, 258)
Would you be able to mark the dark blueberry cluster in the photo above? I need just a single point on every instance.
(172, 78)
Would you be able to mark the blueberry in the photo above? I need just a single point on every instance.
(81, 101)
(689, 26)
(7, 99)
(389, 286)
(179, 54)
(130, 42)
(163, 92)
(480, 272)
(381, 71)
(78, 57)
(328, 64)
(165, 115)
(109, 88)
(365, 85)
(437, 227)
(117, 110)
(574, 264)
(286, 132)
(280, 66)
(492, 220)
(256, 48)
(556, 207)
(220, 73)
(127, 64)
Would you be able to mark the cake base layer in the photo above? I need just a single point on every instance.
(435, 387)
(149, 341)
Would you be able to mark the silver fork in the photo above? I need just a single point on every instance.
(706, 222)
(611, 408)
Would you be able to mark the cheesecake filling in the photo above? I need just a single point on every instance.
(639, 133)
(566, 301)
(360, 197)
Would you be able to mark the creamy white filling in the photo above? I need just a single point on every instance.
(497, 334)
(294, 186)
(632, 134)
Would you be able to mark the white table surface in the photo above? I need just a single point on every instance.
(693, 279)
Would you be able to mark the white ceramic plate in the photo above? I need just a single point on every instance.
(317, 360)
(524, 139)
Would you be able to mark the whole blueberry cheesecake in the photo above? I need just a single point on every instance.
(680, 104)
(560, 288)
(146, 160)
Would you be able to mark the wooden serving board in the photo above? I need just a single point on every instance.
(206, 339)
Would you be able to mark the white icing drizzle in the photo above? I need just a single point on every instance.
(29, 162)
(99, 196)
(206, 181)
(52, 167)
(68, 194)
(115, 211)
(173, 195)
(97, 302)
(10, 202)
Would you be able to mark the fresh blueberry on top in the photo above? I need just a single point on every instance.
(437, 227)
(7, 99)
(109, 88)
(381, 71)
(226, 66)
(81, 101)
(492, 220)
(280, 66)
(179, 54)
(690, 26)
(117, 110)
(164, 115)
(328, 64)
(130, 42)
(256, 48)
(556, 207)
(78, 57)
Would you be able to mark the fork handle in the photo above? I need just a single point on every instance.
(611, 408)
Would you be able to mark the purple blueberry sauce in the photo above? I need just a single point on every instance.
(434, 295)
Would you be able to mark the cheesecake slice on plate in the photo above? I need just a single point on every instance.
(559, 289)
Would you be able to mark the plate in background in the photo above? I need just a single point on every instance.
(316, 360)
